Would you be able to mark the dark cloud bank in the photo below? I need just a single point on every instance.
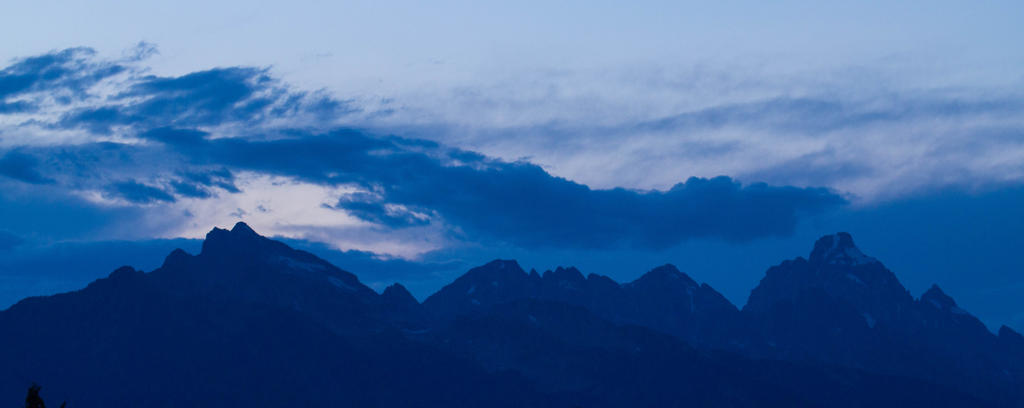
(190, 134)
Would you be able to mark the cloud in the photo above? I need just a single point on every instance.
(14, 107)
(65, 75)
(94, 149)
(877, 134)
(172, 136)
(372, 208)
(396, 183)
(820, 114)
(162, 105)
(200, 99)
(138, 193)
(22, 167)
(522, 204)
(190, 190)
(888, 134)
(221, 178)
(407, 182)
(173, 145)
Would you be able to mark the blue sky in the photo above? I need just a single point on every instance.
(408, 142)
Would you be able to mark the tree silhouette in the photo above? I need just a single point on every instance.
(33, 400)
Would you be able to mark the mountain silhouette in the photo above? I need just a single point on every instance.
(663, 299)
(248, 321)
(251, 321)
(843, 307)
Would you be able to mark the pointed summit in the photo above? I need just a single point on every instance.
(241, 237)
(398, 295)
(495, 282)
(838, 249)
(663, 275)
(936, 297)
(497, 270)
(565, 276)
(402, 308)
(242, 228)
(1007, 333)
(837, 272)
(502, 264)
(828, 243)
(177, 258)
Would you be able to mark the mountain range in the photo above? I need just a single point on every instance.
(251, 321)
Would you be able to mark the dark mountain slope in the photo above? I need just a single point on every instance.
(839, 307)
(664, 299)
(244, 266)
(250, 321)
(601, 364)
(843, 307)
(191, 334)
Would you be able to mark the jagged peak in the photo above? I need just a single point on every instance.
(936, 297)
(569, 269)
(398, 292)
(667, 269)
(501, 264)
(176, 257)
(666, 272)
(593, 277)
(1006, 332)
(835, 267)
(560, 274)
(839, 248)
(396, 288)
(242, 228)
(496, 269)
(220, 238)
(497, 279)
(831, 242)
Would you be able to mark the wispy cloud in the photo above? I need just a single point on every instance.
(875, 134)
(174, 147)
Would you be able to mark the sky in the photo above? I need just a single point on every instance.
(409, 142)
